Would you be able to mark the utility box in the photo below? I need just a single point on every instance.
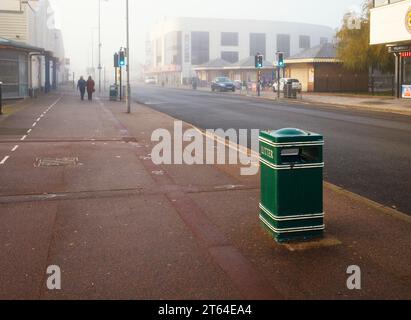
(289, 91)
(113, 92)
(291, 207)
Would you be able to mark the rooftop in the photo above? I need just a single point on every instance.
(326, 52)
(18, 45)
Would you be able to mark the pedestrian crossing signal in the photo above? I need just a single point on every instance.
(280, 59)
(122, 59)
(258, 61)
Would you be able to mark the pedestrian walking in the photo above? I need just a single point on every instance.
(81, 86)
(90, 88)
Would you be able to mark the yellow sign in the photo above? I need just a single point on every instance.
(408, 20)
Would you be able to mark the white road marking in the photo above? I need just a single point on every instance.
(15, 148)
(38, 119)
(23, 138)
(4, 160)
(28, 131)
(34, 124)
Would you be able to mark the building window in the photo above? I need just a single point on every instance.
(229, 39)
(230, 56)
(187, 48)
(14, 74)
(379, 3)
(159, 51)
(200, 47)
(305, 42)
(173, 48)
(323, 40)
(257, 44)
(283, 44)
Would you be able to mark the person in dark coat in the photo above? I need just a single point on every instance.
(81, 86)
(90, 88)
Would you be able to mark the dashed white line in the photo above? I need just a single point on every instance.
(34, 124)
(38, 119)
(4, 160)
(15, 148)
(28, 131)
(23, 138)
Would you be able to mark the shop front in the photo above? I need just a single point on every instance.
(25, 70)
(14, 73)
(391, 25)
(406, 74)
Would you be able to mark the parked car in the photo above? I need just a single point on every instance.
(222, 84)
(295, 83)
(150, 80)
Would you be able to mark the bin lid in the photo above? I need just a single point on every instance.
(291, 135)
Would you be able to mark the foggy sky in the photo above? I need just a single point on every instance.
(77, 18)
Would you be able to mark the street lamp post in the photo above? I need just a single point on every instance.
(128, 61)
(99, 46)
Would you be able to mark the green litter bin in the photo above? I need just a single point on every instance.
(113, 92)
(291, 207)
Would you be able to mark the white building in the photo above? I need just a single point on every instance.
(31, 51)
(391, 25)
(176, 45)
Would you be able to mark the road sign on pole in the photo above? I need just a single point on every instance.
(280, 65)
(116, 58)
(128, 59)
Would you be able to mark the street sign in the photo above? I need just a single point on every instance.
(397, 49)
(406, 54)
(116, 60)
(406, 91)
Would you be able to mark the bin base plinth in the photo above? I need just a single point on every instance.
(284, 238)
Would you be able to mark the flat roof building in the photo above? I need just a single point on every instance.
(175, 46)
(31, 48)
(320, 70)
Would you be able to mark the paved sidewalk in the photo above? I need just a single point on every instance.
(13, 106)
(121, 227)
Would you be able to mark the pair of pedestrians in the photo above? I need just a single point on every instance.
(82, 85)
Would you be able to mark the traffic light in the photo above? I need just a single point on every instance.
(116, 60)
(280, 59)
(122, 59)
(258, 61)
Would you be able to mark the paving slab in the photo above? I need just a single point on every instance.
(121, 227)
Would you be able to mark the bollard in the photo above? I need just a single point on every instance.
(291, 207)
(1, 97)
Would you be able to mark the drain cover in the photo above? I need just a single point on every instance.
(56, 162)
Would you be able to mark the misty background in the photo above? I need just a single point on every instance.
(78, 20)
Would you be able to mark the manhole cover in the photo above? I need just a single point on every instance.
(56, 162)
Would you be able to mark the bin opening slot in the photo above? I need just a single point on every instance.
(310, 154)
(290, 155)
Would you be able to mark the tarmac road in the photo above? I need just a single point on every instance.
(366, 152)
